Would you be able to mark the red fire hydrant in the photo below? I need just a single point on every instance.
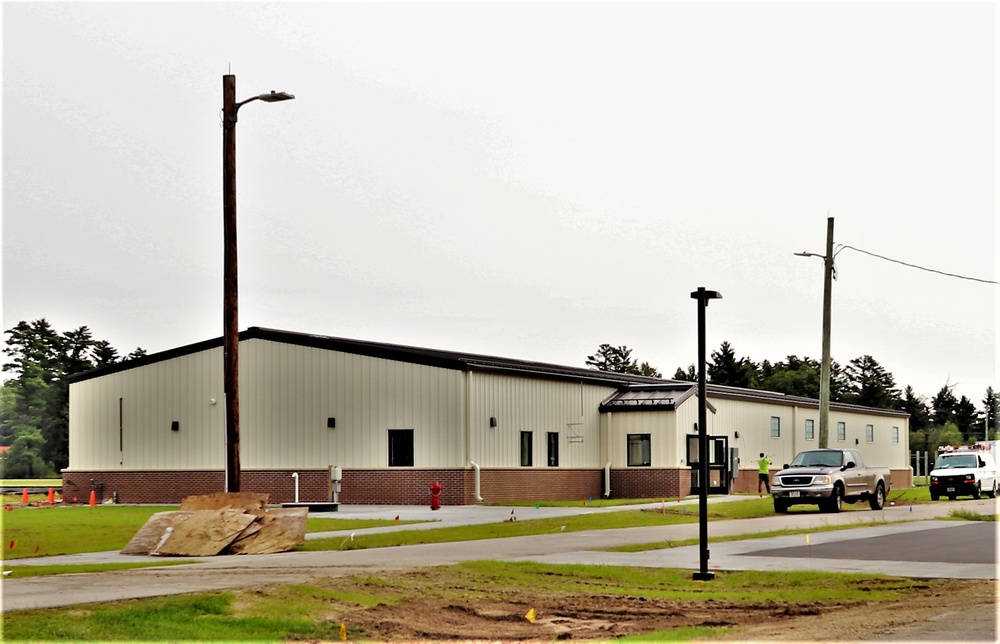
(435, 496)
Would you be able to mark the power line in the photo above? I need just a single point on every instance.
(923, 268)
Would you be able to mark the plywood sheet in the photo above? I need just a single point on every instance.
(154, 532)
(219, 500)
(205, 533)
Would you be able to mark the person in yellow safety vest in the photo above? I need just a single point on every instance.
(764, 478)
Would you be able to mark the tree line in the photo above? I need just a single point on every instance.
(944, 419)
(34, 402)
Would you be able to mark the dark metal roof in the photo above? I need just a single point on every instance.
(644, 393)
(644, 398)
(401, 353)
(774, 397)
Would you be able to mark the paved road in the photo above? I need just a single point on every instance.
(906, 527)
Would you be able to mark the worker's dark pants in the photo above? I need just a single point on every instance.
(765, 480)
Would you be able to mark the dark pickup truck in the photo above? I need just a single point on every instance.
(827, 478)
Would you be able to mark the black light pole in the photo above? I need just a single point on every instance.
(230, 298)
(703, 297)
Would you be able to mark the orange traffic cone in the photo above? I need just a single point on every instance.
(93, 498)
(52, 496)
(24, 496)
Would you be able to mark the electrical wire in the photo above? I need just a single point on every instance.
(923, 268)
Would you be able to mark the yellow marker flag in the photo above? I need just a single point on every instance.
(807, 538)
(343, 631)
(530, 616)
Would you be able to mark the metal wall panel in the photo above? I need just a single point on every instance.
(538, 406)
(882, 451)
(289, 392)
(151, 398)
(661, 427)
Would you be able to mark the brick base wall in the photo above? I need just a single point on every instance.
(404, 487)
(171, 487)
(902, 478)
(650, 483)
(508, 485)
(746, 481)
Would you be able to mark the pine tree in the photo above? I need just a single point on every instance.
(725, 369)
(869, 384)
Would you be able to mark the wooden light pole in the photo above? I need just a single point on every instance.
(230, 291)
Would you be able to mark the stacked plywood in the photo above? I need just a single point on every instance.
(222, 523)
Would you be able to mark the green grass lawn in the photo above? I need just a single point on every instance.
(315, 611)
(71, 529)
(30, 482)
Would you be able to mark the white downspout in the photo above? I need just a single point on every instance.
(607, 480)
(468, 432)
(295, 475)
(475, 466)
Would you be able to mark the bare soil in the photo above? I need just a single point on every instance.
(435, 605)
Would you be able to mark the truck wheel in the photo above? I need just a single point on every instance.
(935, 496)
(977, 493)
(993, 492)
(834, 503)
(951, 497)
(780, 506)
(877, 500)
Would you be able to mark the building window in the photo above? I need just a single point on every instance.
(841, 432)
(553, 448)
(400, 448)
(810, 430)
(870, 433)
(775, 427)
(895, 435)
(526, 449)
(638, 450)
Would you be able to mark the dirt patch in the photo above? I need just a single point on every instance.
(437, 605)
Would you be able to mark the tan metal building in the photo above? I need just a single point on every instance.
(392, 419)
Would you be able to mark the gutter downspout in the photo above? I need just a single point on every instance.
(607, 480)
(475, 466)
(468, 432)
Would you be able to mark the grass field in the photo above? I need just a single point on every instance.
(71, 529)
(318, 611)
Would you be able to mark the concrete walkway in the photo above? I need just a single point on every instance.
(216, 573)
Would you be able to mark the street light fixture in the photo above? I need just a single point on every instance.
(230, 296)
(703, 297)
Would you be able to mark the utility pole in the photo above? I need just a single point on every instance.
(230, 291)
(824, 376)
(230, 322)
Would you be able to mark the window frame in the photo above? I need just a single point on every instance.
(397, 448)
(810, 429)
(527, 448)
(552, 449)
(645, 443)
(895, 435)
(775, 426)
(841, 431)
(869, 433)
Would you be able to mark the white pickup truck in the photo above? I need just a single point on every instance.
(827, 478)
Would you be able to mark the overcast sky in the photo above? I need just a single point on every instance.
(521, 180)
